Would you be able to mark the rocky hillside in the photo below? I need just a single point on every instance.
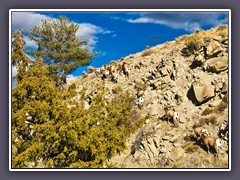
(189, 75)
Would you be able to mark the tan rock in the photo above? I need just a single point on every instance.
(217, 64)
(225, 87)
(200, 59)
(213, 48)
(203, 91)
(176, 154)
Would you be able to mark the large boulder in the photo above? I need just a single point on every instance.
(176, 154)
(203, 91)
(213, 48)
(216, 65)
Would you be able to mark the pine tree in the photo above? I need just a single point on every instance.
(47, 132)
(19, 58)
(59, 46)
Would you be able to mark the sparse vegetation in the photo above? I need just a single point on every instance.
(147, 51)
(211, 119)
(193, 42)
(190, 148)
(139, 85)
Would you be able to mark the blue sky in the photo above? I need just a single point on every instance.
(117, 34)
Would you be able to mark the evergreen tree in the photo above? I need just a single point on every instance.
(59, 46)
(19, 58)
(51, 129)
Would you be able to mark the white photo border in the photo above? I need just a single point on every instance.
(121, 10)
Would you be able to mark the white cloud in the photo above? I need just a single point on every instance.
(70, 77)
(188, 21)
(28, 20)
(14, 71)
(30, 43)
(90, 31)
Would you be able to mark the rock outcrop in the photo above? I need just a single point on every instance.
(173, 74)
(203, 91)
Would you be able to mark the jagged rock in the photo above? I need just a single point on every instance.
(156, 142)
(217, 64)
(225, 87)
(164, 72)
(179, 96)
(186, 52)
(203, 91)
(225, 41)
(200, 59)
(153, 149)
(144, 144)
(176, 154)
(213, 48)
(168, 95)
(166, 138)
(157, 85)
(218, 38)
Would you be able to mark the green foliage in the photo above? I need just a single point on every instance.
(117, 89)
(59, 46)
(67, 137)
(19, 59)
(49, 128)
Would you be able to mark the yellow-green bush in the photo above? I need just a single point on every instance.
(76, 137)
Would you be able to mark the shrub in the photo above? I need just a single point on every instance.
(193, 42)
(222, 27)
(139, 85)
(147, 52)
(207, 111)
(190, 147)
(117, 89)
(223, 34)
(76, 137)
(211, 119)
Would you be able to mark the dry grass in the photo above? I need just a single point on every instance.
(223, 34)
(195, 40)
(190, 147)
(211, 119)
(217, 109)
(222, 27)
(147, 52)
(140, 85)
(207, 111)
